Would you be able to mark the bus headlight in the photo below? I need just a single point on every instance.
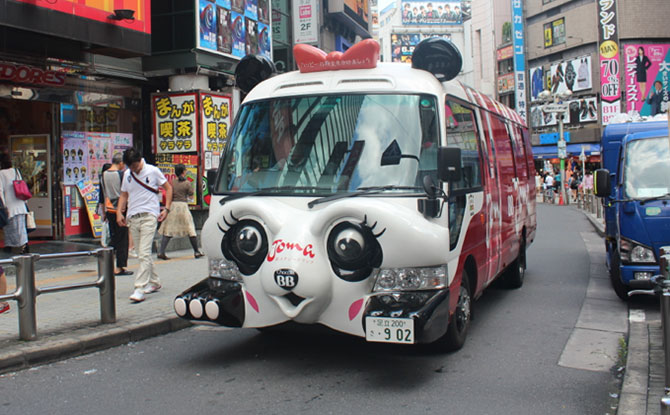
(411, 279)
(633, 252)
(224, 269)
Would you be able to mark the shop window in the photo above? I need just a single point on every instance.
(554, 33)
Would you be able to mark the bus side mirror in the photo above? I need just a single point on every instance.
(449, 164)
(211, 180)
(602, 186)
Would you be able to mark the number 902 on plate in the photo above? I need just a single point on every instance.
(389, 330)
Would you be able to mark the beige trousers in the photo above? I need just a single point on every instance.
(142, 229)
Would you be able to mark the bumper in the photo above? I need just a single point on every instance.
(212, 300)
(628, 275)
(429, 309)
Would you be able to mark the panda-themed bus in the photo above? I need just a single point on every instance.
(377, 199)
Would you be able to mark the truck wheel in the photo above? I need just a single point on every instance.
(516, 272)
(620, 288)
(454, 339)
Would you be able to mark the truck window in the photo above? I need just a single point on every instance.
(646, 170)
(331, 143)
(461, 127)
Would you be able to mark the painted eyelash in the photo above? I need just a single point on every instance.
(230, 225)
(371, 228)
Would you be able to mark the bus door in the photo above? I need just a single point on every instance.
(492, 201)
(508, 186)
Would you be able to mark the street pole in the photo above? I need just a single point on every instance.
(561, 140)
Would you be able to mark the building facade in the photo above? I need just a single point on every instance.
(592, 48)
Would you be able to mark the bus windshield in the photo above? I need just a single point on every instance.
(332, 144)
(647, 168)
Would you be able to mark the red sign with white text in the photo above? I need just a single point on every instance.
(30, 75)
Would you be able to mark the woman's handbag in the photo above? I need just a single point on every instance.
(30, 221)
(20, 187)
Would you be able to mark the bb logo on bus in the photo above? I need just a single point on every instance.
(286, 279)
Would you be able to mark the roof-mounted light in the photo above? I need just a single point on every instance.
(362, 55)
(438, 56)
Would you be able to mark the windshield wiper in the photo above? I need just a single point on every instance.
(650, 199)
(270, 191)
(368, 190)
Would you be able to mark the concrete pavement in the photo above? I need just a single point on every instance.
(68, 323)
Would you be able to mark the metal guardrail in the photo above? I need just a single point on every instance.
(26, 291)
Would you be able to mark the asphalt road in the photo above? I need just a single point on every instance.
(508, 365)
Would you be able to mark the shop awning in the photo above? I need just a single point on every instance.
(574, 150)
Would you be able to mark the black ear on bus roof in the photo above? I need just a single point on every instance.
(252, 70)
(438, 56)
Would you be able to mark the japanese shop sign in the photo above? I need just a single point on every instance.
(505, 83)
(647, 65)
(505, 53)
(215, 119)
(89, 192)
(175, 123)
(234, 28)
(30, 75)
(305, 24)
(167, 162)
(519, 58)
(608, 47)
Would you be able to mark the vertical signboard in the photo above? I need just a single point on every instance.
(519, 58)
(608, 49)
(305, 24)
(647, 77)
(215, 119)
(175, 126)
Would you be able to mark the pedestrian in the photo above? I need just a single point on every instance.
(4, 306)
(16, 235)
(179, 222)
(141, 197)
(111, 190)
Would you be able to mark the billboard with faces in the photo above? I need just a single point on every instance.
(431, 12)
(234, 28)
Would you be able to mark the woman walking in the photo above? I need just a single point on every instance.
(16, 235)
(179, 221)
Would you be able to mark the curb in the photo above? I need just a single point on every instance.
(103, 337)
(634, 389)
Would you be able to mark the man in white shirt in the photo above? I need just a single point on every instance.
(140, 193)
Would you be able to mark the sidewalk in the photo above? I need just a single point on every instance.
(68, 323)
(644, 381)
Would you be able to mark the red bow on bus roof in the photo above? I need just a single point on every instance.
(362, 55)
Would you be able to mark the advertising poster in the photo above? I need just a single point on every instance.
(233, 27)
(175, 128)
(582, 110)
(402, 45)
(120, 142)
(608, 48)
(519, 58)
(431, 12)
(216, 119)
(251, 9)
(224, 39)
(647, 78)
(305, 25)
(89, 192)
(75, 156)
(359, 9)
(100, 146)
(573, 75)
(536, 82)
(167, 162)
(506, 83)
(239, 37)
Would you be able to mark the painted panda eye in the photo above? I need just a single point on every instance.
(246, 243)
(353, 251)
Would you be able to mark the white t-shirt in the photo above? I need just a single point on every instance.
(142, 200)
(549, 180)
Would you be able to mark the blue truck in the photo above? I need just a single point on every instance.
(635, 186)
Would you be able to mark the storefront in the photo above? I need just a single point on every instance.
(544, 155)
(60, 133)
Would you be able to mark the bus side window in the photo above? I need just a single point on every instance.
(461, 128)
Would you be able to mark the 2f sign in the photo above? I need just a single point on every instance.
(304, 21)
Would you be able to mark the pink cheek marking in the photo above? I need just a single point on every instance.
(251, 300)
(354, 308)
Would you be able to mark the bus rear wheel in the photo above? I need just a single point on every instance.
(516, 272)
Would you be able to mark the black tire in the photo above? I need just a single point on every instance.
(620, 288)
(516, 272)
(457, 332)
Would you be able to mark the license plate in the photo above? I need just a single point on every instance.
(389, 330)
